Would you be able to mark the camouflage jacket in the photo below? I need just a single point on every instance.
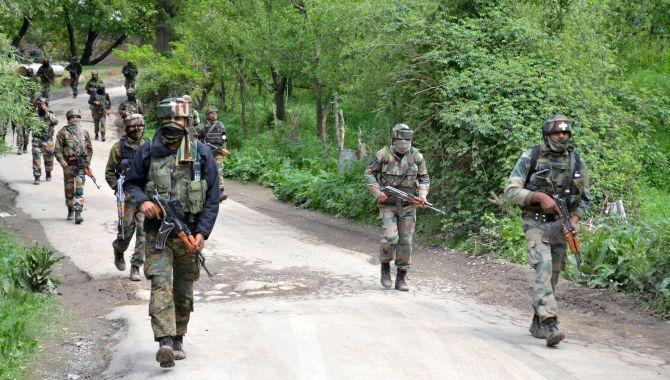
(70, 143)
(127, 107)
(105, 102)
(45, 132)
(406, 172)
(212, 132)
(520, 186)
(74, 68)
(46, 74)
(116, 164)
(92, 85)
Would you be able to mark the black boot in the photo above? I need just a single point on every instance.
(222, 197)
(400, 283)
(37, 180)
(165, 354)
(386, 275)
(119, 262)
(102, 137)
(48, 176)
(96, 135)
(77, 217)
(135, 273)
(550, 329)
(535, 329)
(178, 347)
(70, 214)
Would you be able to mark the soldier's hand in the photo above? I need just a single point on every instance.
(63, 164)
(224, 151)
(89, 172)
(199, 242)
(382, 197)
(422, 201)
(150, 210)
(547, 203)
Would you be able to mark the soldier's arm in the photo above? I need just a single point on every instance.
(108, 106)
(423, 177)
(112, 163)
(371, 173)
(514, 191)
(210, 209)
(89, 148)
(136, 177)
(585, 194)
(91, 99)
(60, 142)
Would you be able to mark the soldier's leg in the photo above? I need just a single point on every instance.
(389, 235)
(559, 260)
(103, 125)
(26, 137)
(74, 82)
(48, 154)
(540, 258)
(403, 255)
(79, 181)
(46, 90)
(158, 268)
(68, 184)
(140, 240)
(19, 139)
(186, 272)
(121, 245)
(37, 160)
(96, 123)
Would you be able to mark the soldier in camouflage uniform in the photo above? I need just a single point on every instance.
(182, 170)
(213, 134)
(43, 142)
(74, 68)
(46, 75)
(74, 152)
(403, 167)
(193, 115)
(100, 106)
(93, 83)
(530, 187)
(120, 157)
(129, 72)
(131, 105)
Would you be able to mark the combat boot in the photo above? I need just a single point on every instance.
(550, 327)
(37, 180)
(102, 137)
(178, 347)
(119, 262)
(70, 214)
(96, 135)
(165, 354)
(222, 197)
(386, 275)
(135, 273)
(48, 176)
(77, 217)
(535, 329)
(400, 283)
(19, 152)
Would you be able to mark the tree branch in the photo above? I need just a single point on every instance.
(104, 55)
(22, 32)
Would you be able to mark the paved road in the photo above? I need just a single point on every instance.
(316, 310)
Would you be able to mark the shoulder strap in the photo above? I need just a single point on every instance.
(534, 156)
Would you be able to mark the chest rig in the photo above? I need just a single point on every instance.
(400, 174)
(215, 134)
(126, 155)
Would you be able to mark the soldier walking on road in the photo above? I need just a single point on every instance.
(74, 68)
(46, 75)
(93, 83)
(43, 141)
(182, 171)
(131, 105)
(530, 186)
(129, 72)
(74, 152)
(100, 106)
(120, 157)
(403, 167)
(213, 134)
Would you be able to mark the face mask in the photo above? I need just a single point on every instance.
(100, 91)
(402, 146)
(557, 146)
(135, 134)
(131, 98)
(74, 123)
(171, 133)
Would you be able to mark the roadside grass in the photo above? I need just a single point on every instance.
(25, 316)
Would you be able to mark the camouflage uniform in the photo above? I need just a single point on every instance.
(213, 134)
(100, 110)
(130, 105)
(46, 75)
(406, 172)
(568, 171)
(93, 83)
(70, 142)
(74, 68)
(129, 72)
(188, 175)
(22, 137)
(43, 146)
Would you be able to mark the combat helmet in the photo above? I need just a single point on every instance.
(401, 131)
(556, 123)
(75, 58)
(187, 98)
(130, 91)
(73, 112)
(211, 109)
(94, 73)
(173, 107)
(134, 119)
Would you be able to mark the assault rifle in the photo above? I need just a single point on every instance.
(173, 215)
(564, 224)
(221, 150)
(403, 196)
(120, 206)
(87, 169)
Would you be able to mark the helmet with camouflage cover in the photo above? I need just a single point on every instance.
(134, 119)
(556, 123)
(187, 98)
(130, 91)
(73, 112)
(94, 74)
(173, 107)
(401, 131)
(211, 109)
(75, 58)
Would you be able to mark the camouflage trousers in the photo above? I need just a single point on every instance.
(396, 237)
(218, 159)
(100, 121)
(46, 90)
(74, 179)
(74, 82)
(22, 137)
(128, 83)
(133, 221)
(172, 272)
(43, 150)
(548, 260)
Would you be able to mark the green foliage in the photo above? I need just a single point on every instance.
(500, 235)
(35, 271)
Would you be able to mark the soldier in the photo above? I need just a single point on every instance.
(530, 187)
(403, 167)
(100, 106)
(74, 152)
(93, 83)
(183, 171)
(129, 72)
(194, 116)
(131, 105)
(213, 134)
(43, 141)
(74, 68)
(22, 137)
(120, 157)
(46, 75)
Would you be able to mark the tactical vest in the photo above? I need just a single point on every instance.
(180, 181)
(74, 143)
(103, 102)
(565, 172)
(215, 134)
(126, 155)
(401, 175)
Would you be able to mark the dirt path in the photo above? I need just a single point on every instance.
(296, 295)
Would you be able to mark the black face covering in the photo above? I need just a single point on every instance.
(100, 91)
(135, 133)
(171, 133)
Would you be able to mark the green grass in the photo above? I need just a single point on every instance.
(654, 206)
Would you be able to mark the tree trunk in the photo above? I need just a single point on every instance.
(70, 31)
(107, 52)
(222, 94)
(243, 102)
(164, 32)
(204, 99)
(321, 133)
(91, 36)
(279, 84)
(289, 87)
(253, 111)
(22, 32)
